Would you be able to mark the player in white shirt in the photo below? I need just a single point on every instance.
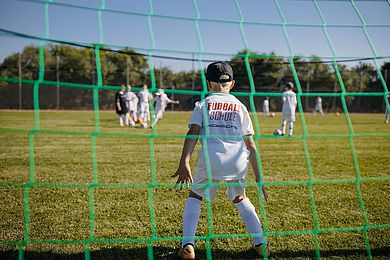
(144, 98)
(289, 101)
(162, 100)
(266, 106)
(132, 103)
(318, 106)
(226, 121)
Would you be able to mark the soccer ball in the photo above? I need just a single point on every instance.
(277, 132)
(272, 114)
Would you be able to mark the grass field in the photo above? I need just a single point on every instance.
(122, 211)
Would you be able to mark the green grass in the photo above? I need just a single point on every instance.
(62, 167)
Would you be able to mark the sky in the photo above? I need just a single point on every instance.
(206, 29)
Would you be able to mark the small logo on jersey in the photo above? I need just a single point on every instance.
(223, 126)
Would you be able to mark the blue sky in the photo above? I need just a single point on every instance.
(215, 28)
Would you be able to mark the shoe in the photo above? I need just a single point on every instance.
(187, 252)
(259, 250)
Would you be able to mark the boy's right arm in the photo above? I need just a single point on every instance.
(183, 171)
(251, 146)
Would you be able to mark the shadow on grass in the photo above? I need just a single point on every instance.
(170, 253)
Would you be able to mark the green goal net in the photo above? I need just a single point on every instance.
(328, 183)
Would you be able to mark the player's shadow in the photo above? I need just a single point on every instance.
(170, 253)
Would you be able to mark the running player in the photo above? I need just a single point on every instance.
(162, 100)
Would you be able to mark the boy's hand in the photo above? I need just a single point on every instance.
(184, 175)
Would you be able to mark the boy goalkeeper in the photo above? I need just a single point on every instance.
(226, 120)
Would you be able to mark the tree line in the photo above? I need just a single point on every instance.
(266, 73)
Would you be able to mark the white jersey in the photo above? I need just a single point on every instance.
(144, 96)
(132, 101)
(226, 120)
(162, 101)
(289, 105)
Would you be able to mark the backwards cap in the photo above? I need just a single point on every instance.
(219, 72)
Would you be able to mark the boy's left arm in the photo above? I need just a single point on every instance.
(251, 146)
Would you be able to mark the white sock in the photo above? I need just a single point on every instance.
(191, 216)
(284, 122)
(290, 127)
(120, 120)
(250, 219)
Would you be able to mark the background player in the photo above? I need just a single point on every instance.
(120, 105)
(131, 103)
(144, 98)
(289, 104)
(162, 100)
(228, 157)
(266, 106)
(318, 106)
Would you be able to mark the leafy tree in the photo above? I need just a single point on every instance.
(29, 60)
(267, 70)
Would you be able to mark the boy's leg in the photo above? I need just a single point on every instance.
(191, 216)
(157, 116)
(133, 114)
(131, 118)
(120, 119)
(290, 127)
(284, 123)
(143, 115)
(127, 117)
(249, 217)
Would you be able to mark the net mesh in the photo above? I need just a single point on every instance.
(251, 95)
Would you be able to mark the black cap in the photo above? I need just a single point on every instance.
(219, 72)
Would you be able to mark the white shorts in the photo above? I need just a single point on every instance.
(159, 114)
(232, 191)
(289, 117)
(144, 111)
